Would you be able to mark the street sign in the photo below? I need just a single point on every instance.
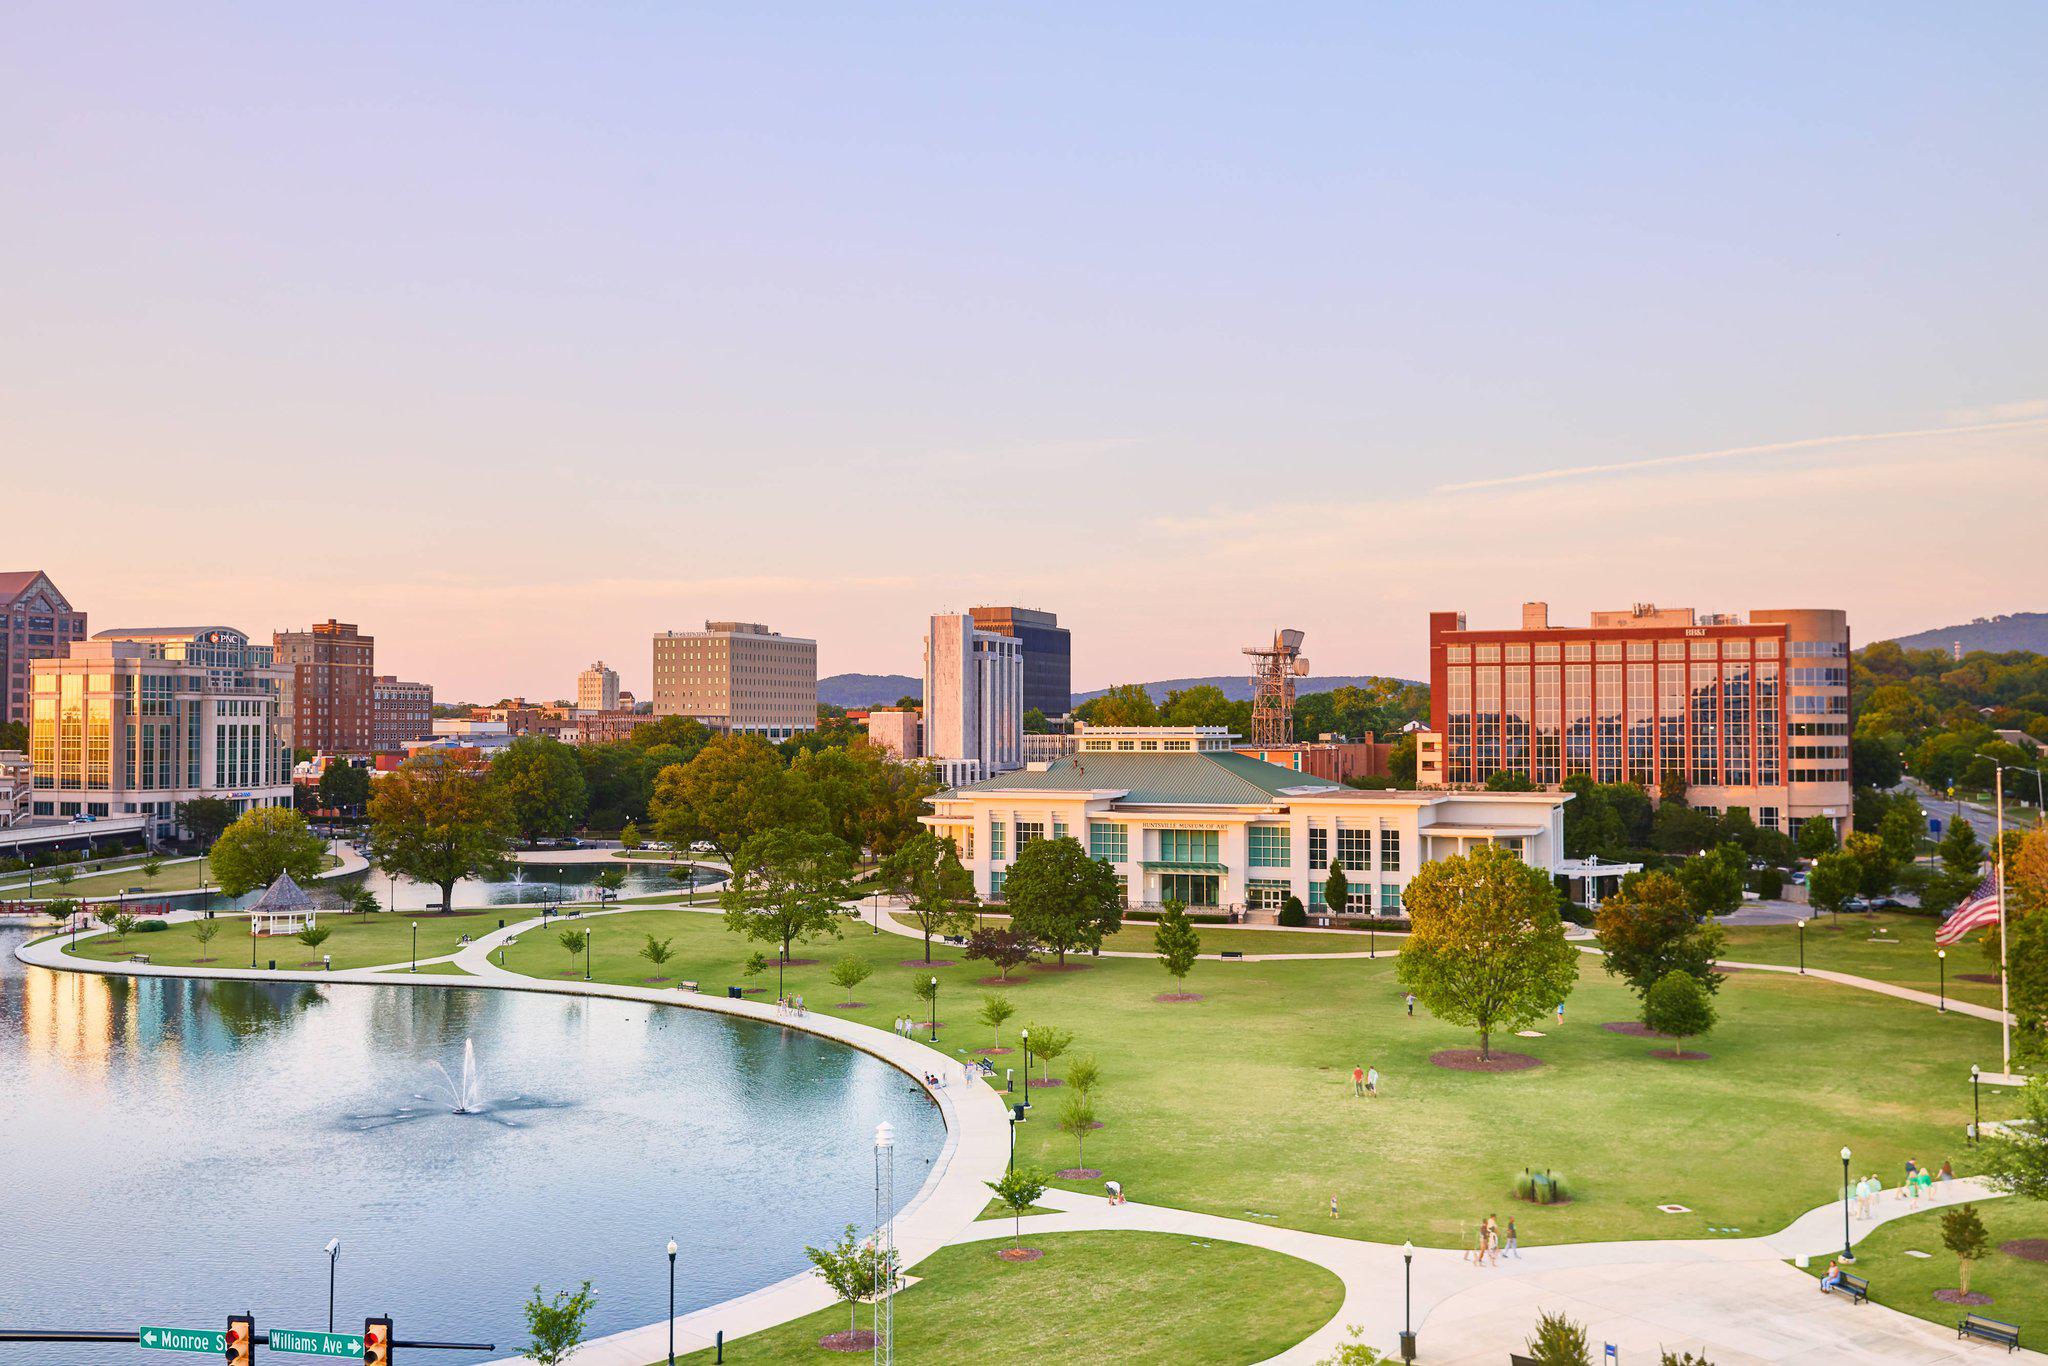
(211, 1340)
(312, 1343)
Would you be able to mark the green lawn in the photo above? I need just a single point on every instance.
(1881, 944)
(1136, 937)
(1907, 1284)
(181, 876)
(1240, 1104)
(1131, 1297)
(357, 942)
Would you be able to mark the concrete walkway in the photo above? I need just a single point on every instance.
(1734, 1299)
(891, 925)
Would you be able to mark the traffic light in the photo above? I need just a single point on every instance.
(241, 1340)
(376, 1342)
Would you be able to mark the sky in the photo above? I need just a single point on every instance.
(518, 333)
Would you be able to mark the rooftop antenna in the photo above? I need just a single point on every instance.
(1274, 669)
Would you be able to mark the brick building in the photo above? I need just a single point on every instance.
(328, 695)
(399, 711)
(36, 622)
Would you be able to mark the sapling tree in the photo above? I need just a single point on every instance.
(928, 992)
(572, 941)
(1558, 1341)
(555, 1327)
(854, 1268)
(658, 951)
(313, 936)
(204, 931)
(1083, 1075)
(1018, 1191)
(1049, 1042)
(995, 1009)
(1176, 941)
(1963, 1233)
(1678, 1006)
(848, 973)
(1077, 1117)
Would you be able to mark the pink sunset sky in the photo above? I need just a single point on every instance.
(518, 344)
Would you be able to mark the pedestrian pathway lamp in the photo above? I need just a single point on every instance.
(1408, 1301)
(935, 1024)
(671, 1302)
(1024, 1035)
(1802, 948)
(1848, 1253)
(415, 946)
(1976, 1114)
(333, 1252)
(587, 937)
(1941, 957)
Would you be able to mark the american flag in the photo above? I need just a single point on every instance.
(1978, 909)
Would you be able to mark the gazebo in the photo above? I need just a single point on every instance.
(284, 908)
(1592, 871)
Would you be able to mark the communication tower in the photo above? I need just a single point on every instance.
(1274, 669)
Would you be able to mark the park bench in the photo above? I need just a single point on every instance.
(138, 958)
(1233, 953)
(686, 986)
(1991, 1330)
(1856, 1288)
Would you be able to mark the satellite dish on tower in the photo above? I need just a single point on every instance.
(1300, 667)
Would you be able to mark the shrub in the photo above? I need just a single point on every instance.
(1558, 1342)
(1292, 912)
(1525, 1185)
(150, 926)
(1770, 884)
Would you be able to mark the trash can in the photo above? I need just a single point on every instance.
(734, 993)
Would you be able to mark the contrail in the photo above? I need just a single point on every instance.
(1771, 448)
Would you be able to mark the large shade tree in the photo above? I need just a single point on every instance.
(788, 885)
(938, 890)
(735, 789)
(1486, 948)
(1648, 929)
(1061, 898)
(438, 819)
(263, 843)
(542, 783)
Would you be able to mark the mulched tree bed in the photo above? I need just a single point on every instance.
(1989, 979)
(1061, 967)
(1079, 1174)
(2026, 1249)
(992, 1052)
(1002, 981)
(848, 1340)
(1953, 1296)
(920, 963)
(851, 1005)
(1635, 1029)
(1171, 997)
(654, 979)
(798, 962)
(1020, 1254)
(1679, 1055)
(1043, 1082)
(1468, 1060)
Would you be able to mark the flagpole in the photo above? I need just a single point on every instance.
(2004, 930)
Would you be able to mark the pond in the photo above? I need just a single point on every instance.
(180, 1148)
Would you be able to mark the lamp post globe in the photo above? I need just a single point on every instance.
(671, 1302)
(1408, 1301)
(1848, 1252)
(935, 1020)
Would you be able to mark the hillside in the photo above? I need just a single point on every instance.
(1238, 688)
(2016, 631)
(867, 690)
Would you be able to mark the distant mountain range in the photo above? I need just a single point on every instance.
(2017, 631)
(882, 690)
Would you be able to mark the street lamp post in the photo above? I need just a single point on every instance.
(415, 946)
(935, 1024)
(588, 935)
(333, 1252)
(1848, 1253)
(1408, 1301)
(671, 1302)
(1025, 1036)
(1976, 1113)
(1802, 948)
(1941, 957)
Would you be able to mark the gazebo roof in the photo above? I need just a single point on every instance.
(282, 896)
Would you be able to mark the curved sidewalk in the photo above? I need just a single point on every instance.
(976, 1150)
(1735, 1298)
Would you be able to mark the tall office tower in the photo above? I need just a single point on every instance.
(597, 688)
(329, 704)
(973, 698)
(738, 676)
(36, 622)
(1048, 654)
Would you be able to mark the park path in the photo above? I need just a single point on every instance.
(1734, 1299)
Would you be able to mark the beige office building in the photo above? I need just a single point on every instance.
(597, 688)
(738, 676)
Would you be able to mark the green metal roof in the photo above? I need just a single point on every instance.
(1196, 779)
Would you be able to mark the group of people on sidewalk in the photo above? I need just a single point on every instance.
(1493, 1243)
(790, 1005)
(1918, 1185)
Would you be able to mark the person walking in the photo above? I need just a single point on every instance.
(1514, 1244)
(1492, 1241)
(1333, 1205)
(1560, 1014)
(1411, 1005)
(1357, 1080)
(1372, 1082)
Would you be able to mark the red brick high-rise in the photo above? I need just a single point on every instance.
(329, 705)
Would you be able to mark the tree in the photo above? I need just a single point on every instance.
(849, 972)
(122, 924)
(1816, 837)
(1353, 1351)
(1678, 1006)
(735, 789)
(541, 782)
(1713, 881)
(630, 838)
(927, 990)
(1876, 873)
(1963, 1233)
(937, 887)
(573, 941)
(1034, 722)
(1048, 1042)
(204, 931)
(1127, 704)
(363, 901)
(203, 818)
(152, 867)
(995, 1010)
(1083, 1075)
(1833, 881)
(1077, 1118)
(64, 874)
(1175, 940)
(1902, 829)
(1061, 898)
(1336, 890)
(313, 936)
(854, 1268)
(1292, 912)
(555, 1327)
(1558, 1342)
(1486, 947)
(2016, 1156)
(264, 842)
(658, 951)
(788, 885)
(1962, 864)
(1647, 930)
(1507, 780)
(869, 799)
(1018, 1191)
(344, 786)
(436, 819)
(608, 883)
